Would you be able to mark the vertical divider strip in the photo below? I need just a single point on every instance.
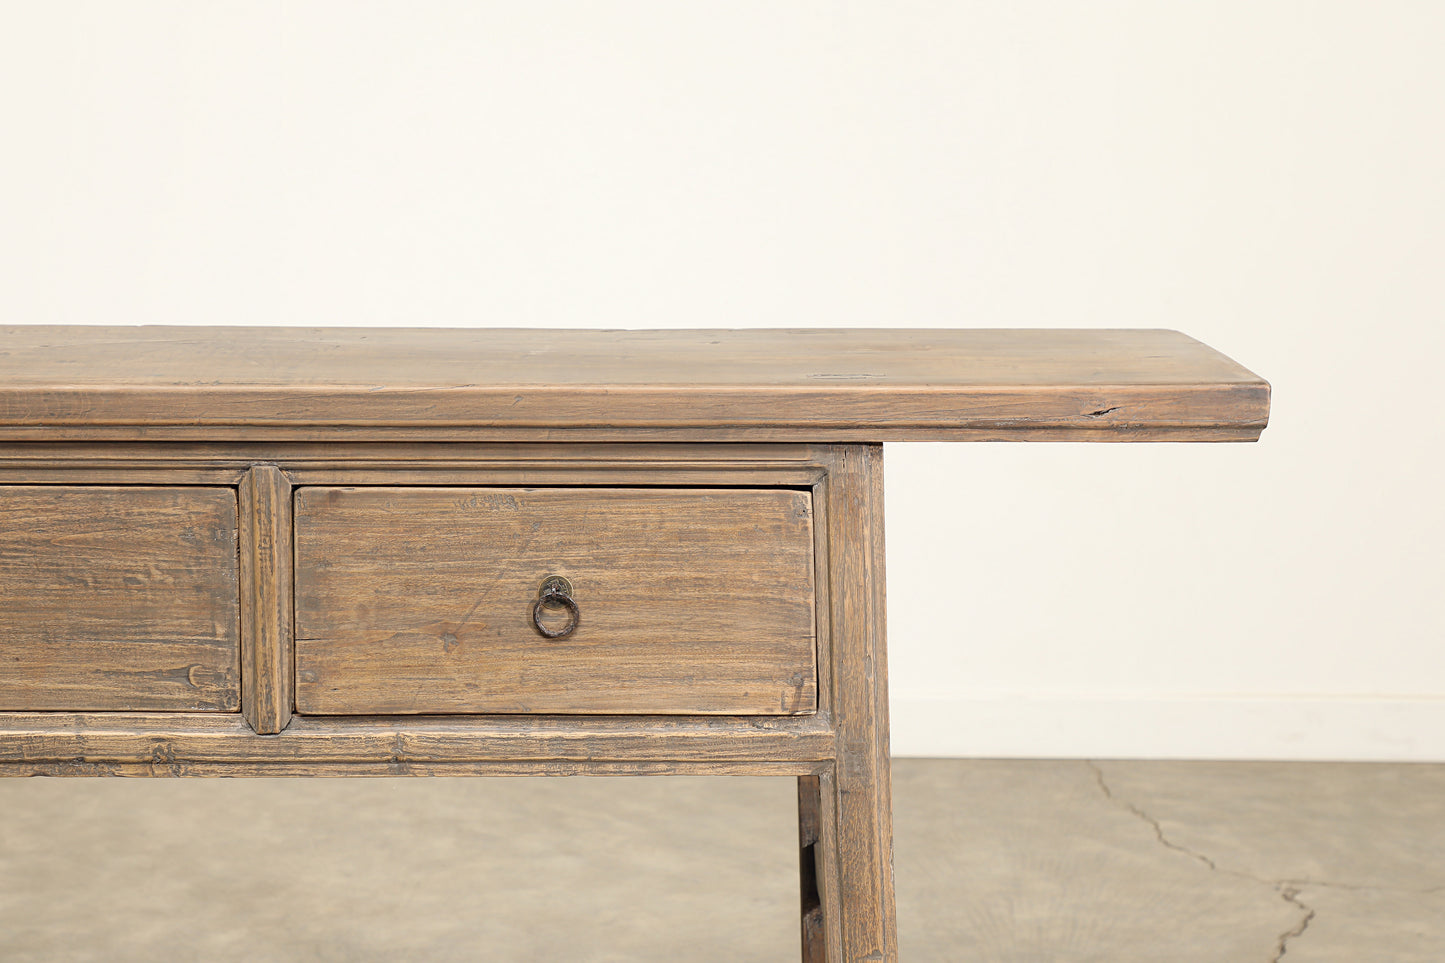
(267, 644)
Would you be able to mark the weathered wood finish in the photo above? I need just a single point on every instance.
(340, 453)
(790, 745)
(282, 434)
(118, 598)
(268, 672)
(419, 600)
(852, 802)
(818, 798)
(168, 768)
(716, 496)
(859, 385)
(810, 903)
(828, 522)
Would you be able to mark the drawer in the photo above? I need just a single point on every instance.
(118, 598)
(421, 600)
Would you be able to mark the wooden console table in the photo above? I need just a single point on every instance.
(270, 551)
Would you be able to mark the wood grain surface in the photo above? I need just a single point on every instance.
(269, 675)
(851, 802)
(208, 743)
(402, 494)
(118, 598)
(810, 905)
(419, 600)
(809, 384)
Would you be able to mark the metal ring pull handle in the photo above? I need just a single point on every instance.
(557, 591)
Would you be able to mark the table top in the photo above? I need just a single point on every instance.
(804, 384)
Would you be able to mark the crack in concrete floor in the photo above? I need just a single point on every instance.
(1287, 889)
(1291, 895)
(998, 860)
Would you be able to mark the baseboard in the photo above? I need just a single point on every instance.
(1336, 729)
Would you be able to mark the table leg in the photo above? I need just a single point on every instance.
(845, 812)
(815, 947)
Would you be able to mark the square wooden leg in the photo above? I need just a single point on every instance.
(845, 812)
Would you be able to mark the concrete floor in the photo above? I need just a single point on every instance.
(996, 861)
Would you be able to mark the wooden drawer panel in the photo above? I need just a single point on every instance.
(118, 598)
(419, 600)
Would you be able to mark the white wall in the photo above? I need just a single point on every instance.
(1266, 176)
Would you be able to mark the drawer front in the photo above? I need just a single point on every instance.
(421, 600)
(118, 598)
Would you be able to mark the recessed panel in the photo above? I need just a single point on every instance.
(424, 600)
